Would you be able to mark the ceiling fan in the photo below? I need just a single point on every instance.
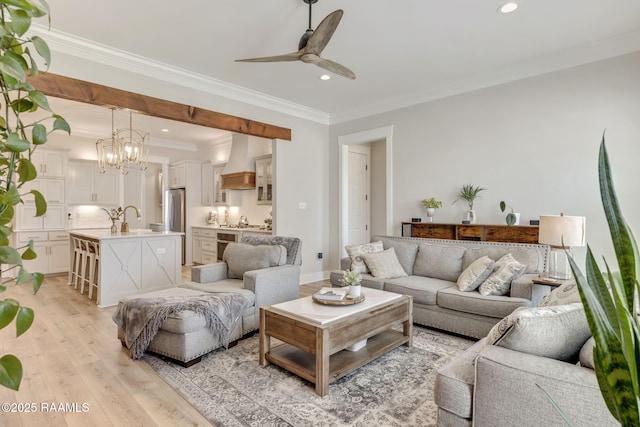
(311, 45)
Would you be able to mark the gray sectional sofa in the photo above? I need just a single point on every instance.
(433, 266)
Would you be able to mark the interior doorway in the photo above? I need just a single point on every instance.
(380, 183)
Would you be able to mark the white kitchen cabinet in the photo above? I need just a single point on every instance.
(52, 189)
(87, 186)
(207, 184)
(52, 249)
(264, 178)
(50, 163)
(197, 245)
(212, 193)
(204, 245)
(54, 218)
(177, 175)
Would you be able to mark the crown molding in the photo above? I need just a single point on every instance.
(66, 43)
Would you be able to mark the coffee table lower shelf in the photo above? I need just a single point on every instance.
(303, 363)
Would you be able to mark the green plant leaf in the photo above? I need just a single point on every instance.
(22, 105)
(42, 48)
(22, 4)
(5, 231)
(16, 144)
(26, 170)
(39, 134)
(12, 196)
(10, 372)
(41, 203)
(12, 68)
(9, 255)
(16, 54)
(61, 124)
(39, 99)
(21, 21)
(22, 277)
(8, 311)
(29, 254)
(37, 279)
(6, 216)
(24, 320)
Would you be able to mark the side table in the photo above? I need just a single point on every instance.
(543, 285)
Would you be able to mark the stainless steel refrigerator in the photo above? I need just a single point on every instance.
(175, 214)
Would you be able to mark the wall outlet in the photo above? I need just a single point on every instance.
(320, 255)
(302, 205)
(161, 250)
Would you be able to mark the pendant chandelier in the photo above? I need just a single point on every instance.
(124, 149)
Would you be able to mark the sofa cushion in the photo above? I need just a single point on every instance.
(506, 270)
(405, 251)
(472, 302)
(532, 258)
(475, 274)
(356, 253)
(453, 388)
(242, 257)
(439, 261)
(566, 293)
(586, 354)
(385, 264)
(424, 290)
(557, 332)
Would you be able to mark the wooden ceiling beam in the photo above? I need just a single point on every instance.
(92, 93)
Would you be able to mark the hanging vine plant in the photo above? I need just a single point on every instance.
(18, 140)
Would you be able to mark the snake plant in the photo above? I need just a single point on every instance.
(613, 313)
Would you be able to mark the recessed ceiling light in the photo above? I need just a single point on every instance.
(508, 7)
(164, 130)
(325, 77)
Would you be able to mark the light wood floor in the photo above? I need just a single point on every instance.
(71, 356)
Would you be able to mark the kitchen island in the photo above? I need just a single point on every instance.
(134, 262)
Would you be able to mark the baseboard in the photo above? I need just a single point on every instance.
(314, 277)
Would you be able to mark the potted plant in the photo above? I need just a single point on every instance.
(18, 140)
(352, 279)
(469, 193)
(610, 302)
(431, 204)
(511, 218)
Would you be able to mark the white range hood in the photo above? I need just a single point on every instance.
(240, 171)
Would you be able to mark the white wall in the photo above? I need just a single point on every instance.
(533, 143)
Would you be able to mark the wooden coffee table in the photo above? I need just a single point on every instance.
(315, 336)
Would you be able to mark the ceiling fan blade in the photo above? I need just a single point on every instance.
(334, 67)
(293, 56)
(321, 36)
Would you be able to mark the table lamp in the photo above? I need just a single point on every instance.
(562, 232)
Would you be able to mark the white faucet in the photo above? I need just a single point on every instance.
(124, 228)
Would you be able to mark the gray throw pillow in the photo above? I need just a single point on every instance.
(241, 258)
(475, 274)
(586, 354)
(557, 332)
(564, 294)
(356, 253)
(405, 251)
(506, 270)
(439, 261)
(385, 264)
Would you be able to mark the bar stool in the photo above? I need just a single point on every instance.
(89, 263)
(79, 259)
(94, 270)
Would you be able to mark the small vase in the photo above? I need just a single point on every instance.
(430, 213)
(354, 291)
(114, 227)
(471, 216)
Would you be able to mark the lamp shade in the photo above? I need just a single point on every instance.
(559, 230)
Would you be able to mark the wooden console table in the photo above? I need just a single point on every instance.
(478, 232)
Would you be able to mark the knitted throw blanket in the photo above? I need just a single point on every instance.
(140, 318)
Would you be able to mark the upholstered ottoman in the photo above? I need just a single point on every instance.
(184, 335)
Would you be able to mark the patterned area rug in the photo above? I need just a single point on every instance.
(230, 388)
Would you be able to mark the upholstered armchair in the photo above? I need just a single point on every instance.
(266, 266)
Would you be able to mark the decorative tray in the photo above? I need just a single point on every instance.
(347, 301)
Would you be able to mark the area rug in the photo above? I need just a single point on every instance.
(230, 388)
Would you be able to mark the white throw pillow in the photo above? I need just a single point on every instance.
(357, 251)
(564, 294)
(557, 332)
(385, 264)
(506, 270)
(475, 274)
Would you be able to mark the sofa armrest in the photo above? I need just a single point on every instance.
(506, 391)
(522, 287)
(273, 285)
(345, 263)
(209, 272)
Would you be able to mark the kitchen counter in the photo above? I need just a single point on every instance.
(235, 228)
(132, 263)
